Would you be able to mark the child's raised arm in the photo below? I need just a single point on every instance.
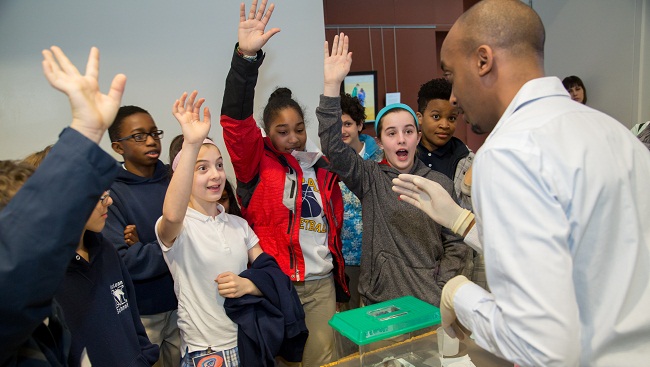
(336, 65)
(251, 35)
(179, 190)
(92, 111)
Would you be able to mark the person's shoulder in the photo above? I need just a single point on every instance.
(422, 170)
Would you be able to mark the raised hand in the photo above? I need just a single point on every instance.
(188, 113)
(92, 111)
(231, 285)
(251, 34)
(336, 65)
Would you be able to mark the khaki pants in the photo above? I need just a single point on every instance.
(162, 329)
(344, 346)
(318, 299)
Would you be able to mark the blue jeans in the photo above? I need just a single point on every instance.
(230, 357)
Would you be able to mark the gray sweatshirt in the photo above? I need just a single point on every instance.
(403, 252)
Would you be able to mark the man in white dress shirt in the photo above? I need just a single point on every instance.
(561, 204)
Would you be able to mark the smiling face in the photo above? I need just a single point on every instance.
(98, 217)
(399, 138)
(287, 131)
(209, 180)
(143, 156)
(350, 130)
(438, 123)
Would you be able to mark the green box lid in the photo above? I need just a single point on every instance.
(383, 320)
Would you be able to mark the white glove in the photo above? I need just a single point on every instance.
(430, 197)
(449, 321)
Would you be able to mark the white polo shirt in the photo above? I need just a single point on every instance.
(206, 247)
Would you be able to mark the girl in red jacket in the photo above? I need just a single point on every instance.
(287, 195)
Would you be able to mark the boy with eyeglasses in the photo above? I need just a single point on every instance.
(138, 194)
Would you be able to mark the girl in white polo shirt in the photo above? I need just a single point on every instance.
(204, 247)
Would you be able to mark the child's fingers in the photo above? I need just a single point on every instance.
(267, 15)
(63, 61)
(92, 67)
(198, 104)
(190, 101)
(252, 10)
(339, 50)
(260, 11)
(242, 13)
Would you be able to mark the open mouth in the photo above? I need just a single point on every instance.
(214, 188)
(402, 154)
(153, 154)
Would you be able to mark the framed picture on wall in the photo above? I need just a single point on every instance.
(363, 85)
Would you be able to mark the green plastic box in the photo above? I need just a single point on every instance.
(384, 320)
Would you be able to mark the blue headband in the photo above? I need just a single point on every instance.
(393, 106)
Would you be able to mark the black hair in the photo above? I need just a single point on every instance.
(233, 207)
(572, 81)
(439, 88)
(352, 106)
(278, 101)
(114, 130)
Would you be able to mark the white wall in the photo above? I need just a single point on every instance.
(607, 44)
(164, 47)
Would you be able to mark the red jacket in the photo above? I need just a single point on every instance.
(269, 182)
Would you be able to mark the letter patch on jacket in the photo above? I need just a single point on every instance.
(121, 303)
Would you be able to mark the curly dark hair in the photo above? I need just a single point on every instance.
(13, 175)
(439, 88)
(114, 130)
(278, 101)
(352, 106)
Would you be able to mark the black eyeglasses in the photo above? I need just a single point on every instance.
(140, 137)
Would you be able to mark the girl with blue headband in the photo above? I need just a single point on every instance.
(404, 252)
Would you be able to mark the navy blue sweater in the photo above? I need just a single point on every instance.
(39, 232)
(272, 325)
(138, 200)
(99, 305)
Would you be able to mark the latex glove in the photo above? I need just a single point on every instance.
(449, 321)
(430, 197)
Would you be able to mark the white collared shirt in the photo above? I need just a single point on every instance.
(561, 202)
(206, 247)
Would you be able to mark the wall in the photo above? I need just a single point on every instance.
(401, 40)
(164, 47)
(606, 44)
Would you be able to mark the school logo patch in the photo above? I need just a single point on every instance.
(121, 302)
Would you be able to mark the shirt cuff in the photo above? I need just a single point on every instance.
(472, 239)
(467, 300)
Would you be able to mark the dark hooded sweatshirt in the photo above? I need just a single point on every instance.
(139, 200)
